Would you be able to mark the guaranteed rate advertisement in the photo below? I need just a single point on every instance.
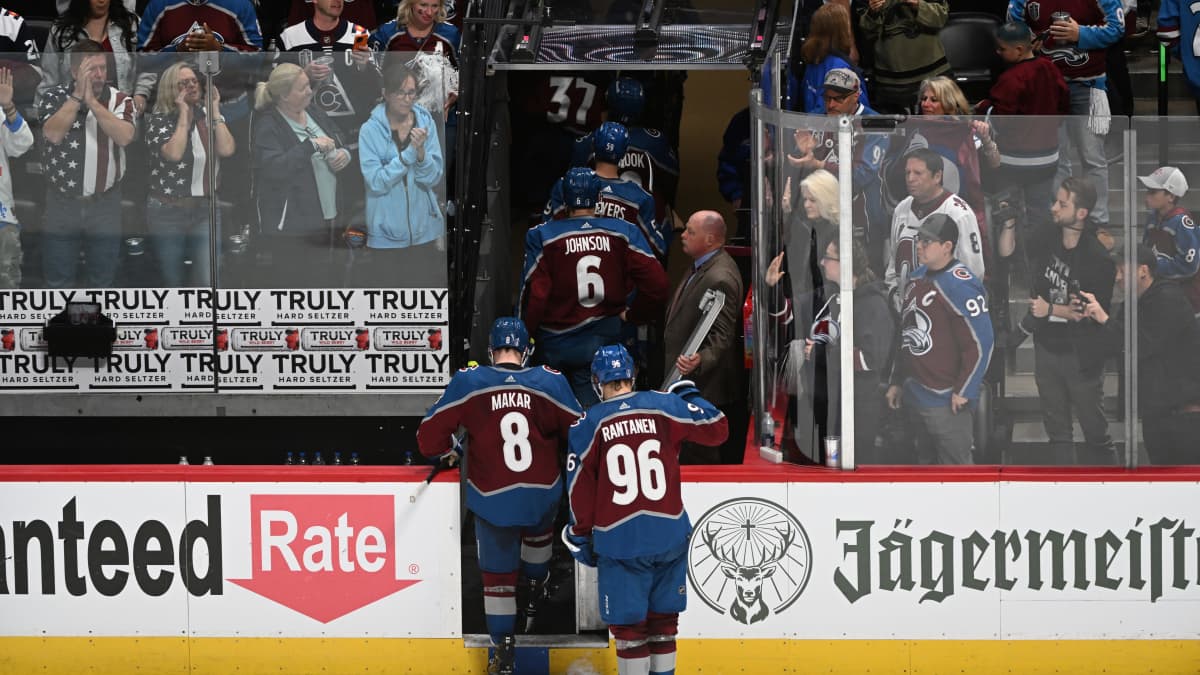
(266, 340)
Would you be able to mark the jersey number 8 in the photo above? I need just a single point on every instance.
(514, 431)
(646, 475)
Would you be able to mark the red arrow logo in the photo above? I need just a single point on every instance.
(324, 556)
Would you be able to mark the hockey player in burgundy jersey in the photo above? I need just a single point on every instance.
(619, 197)
(649, 160)
(516, 420)
(946, 343)
(584, 277)
(627, 516)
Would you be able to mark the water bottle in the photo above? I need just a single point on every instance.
(354, 459)
(318, 460)
(303, 458)
(273, 46)
(337, 458)
(290, 459)
(183, 459)
(408, 458)
(208, 460)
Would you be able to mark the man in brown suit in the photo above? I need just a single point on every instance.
(717, 367)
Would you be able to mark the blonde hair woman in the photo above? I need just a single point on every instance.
(177, 210)
(297, 151)
(941, 96)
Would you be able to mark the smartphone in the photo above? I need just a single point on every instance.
(1042, 36)
(360, 40)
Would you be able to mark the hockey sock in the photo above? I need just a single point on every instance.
(661, 630)
(633, 651)
(535, 555)
(500, 604)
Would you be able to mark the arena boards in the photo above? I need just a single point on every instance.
(118, 569)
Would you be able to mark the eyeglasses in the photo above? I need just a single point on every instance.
(190, 82)
(837, 98)
(829, 258)
(405, 93)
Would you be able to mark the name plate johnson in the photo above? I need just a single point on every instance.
(253, 341)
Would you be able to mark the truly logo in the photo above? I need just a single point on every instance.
(324, 556)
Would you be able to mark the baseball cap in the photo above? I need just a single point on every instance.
(939, 227)
(841, 80)
(1166, 178)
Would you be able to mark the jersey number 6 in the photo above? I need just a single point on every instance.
(589, 281)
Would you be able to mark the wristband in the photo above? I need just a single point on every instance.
(75, 98)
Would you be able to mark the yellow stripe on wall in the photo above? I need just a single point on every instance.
(224, 656)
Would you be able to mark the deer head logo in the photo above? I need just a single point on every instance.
(749, 573)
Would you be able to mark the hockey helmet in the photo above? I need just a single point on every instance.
(609, 142)
(611, 364)
(626, 100)
(581, 187)
(509, 332)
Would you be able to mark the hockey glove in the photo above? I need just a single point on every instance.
(684, 389)
(580, 547)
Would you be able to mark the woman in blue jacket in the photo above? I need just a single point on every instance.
(402, 167)
(830, 45)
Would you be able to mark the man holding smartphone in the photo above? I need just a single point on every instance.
(1068, 354)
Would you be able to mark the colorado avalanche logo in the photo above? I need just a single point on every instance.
(1069, 55)
(915, 336)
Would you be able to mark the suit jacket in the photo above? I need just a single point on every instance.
(720, 373)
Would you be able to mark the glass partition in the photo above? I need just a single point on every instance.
(970, 266)
(285, 228)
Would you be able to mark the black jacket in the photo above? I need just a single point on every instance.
(1168, 349)
(284, 183)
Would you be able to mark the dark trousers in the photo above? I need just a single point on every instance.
(1064, 388)
(1171, 437)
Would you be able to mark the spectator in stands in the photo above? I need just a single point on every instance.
(1168, 360)
(64, 6)
(360, 12)
(906, 47)
(210, 26)
(945, 348)
(109, 24)
(1171, 232)
(811, 226)
(1077, 44)
(716, 366)
(18, 40)
(419, 30)
(733, 169)
(1030, 85)
(15, 140)
(941, 96)
(874, 336)
(297, 153)
(1175, 18)
(1069, 358)
(334, 54)
(177, 208)
(828, 46)
(86, 125)
(402, 167)
(924, 170)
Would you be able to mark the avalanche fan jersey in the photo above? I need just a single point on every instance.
(621, 199)
(903, 249)
(1180, 20)
(945, 336)
(17, 38)
(165, 24)
(1176, 243)
(351, 91)
(1101, 25)
(517, 422)
(623, 470)
(581, 270)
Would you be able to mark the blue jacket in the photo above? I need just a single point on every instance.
(814, 82)
(403, 208)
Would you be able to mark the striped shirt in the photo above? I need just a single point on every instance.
(189, 176)
(87, 162)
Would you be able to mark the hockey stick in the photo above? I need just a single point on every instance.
(710, 305)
